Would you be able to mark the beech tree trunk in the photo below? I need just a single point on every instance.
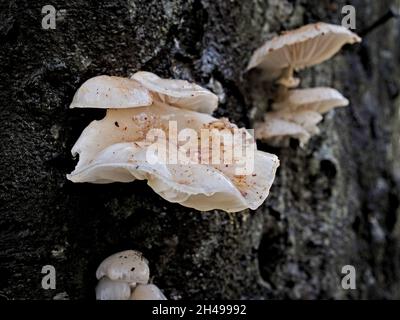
(333, 203)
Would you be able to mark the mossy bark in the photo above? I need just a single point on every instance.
(335, 202)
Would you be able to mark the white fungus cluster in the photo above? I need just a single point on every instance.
(298, 111)
(116, 148)
(125, 276)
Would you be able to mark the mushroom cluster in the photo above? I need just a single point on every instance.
(139, 138)
(297, 111)
(125, 276)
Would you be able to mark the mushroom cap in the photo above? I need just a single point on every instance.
(126, 266)
(277, 132)
(111, 92)
(147, 292)
(178, 93)
(107, 289)
(303, 47)
(315, 99)
(279, 126)
(304, 118)
(113, 150)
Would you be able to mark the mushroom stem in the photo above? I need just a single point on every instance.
(281, 93)
(287, 80)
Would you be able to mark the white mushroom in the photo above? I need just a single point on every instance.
(108, 289)
(127, 266)
(315, 99)
(111, 92)
(279, 126)
(277, 132)
(115, 150)
(300, 48)
(147, 292)
(178, 93)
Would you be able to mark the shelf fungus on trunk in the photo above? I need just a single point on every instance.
(300, 48)
(319, 100)
(187, 157)
(297, 112)
(279, 126)
(125, 276)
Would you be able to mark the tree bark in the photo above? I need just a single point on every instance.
(333, 203)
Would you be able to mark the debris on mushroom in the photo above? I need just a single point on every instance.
(125, 276)
(118, 149)
(279, 126)
(314, 99)
(128, 266)
(147, 292)
(119, 153)
(296, 49)
(108, 289)
(178, 93)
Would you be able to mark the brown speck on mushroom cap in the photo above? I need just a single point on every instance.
(110, 153)
(127, 266)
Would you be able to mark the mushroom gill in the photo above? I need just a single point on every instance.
(319, 100)
(300, 48)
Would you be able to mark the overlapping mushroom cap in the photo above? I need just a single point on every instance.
(296, 49)
(178, 93)
(111, 92)
(279, 126)
(314, 99)
(117, 149)
(142, 90)
(114, 150)
(147, 292)
(127, 266)
(125, 276)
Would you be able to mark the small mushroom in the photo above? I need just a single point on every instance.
(108, 289)
(300, 48)
(315, 99)
(178, 93)
(279, 126)
(127, 266)
(111, 92)
(147, 292)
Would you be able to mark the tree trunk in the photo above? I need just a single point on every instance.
(333, 203)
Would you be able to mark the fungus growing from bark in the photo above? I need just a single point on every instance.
(314, 99)
(118, 149)
(125, 276)
(300, 48)
(127, 266)
(279, 126)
